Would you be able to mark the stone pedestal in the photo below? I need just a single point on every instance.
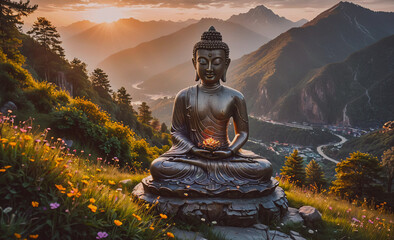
(241, 211)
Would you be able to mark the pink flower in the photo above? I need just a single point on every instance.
(363, 216)
(330, 207)
(54, 205)
(101, 235)
(370, 221)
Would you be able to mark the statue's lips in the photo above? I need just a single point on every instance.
(210, 76)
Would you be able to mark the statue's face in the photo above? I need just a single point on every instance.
(210, 64)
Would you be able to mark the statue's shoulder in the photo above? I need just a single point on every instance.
(183, 94)
(234, 93)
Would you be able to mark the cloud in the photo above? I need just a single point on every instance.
(199, 4)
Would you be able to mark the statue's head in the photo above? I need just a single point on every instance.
(211, 57)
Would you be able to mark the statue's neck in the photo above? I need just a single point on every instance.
(210, 86)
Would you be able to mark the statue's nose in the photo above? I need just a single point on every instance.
(210, 69)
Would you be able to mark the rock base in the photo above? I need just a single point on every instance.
(240, 212)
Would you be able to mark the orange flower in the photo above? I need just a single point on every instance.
(92, 200)
(137, 217)
(111, 182)
(33, 236)
(2, 170)
(170, 235)
(6, 167)
(60, 187)
(12, 144)
(163, 216)
(84, 181)
(31, 160)
(151, 227)
(117, 222)
(92, 207)
(17, 235)
(35, 204)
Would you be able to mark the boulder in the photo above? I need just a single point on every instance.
(292, 217)
(296, 236)
(274, 234)
(187, 235)
(311, 215)
(237, 233)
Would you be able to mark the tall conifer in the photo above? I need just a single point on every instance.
(314, 175)
(294, 168)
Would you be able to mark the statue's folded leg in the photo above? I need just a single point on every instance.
(173, 168)
(254, 169)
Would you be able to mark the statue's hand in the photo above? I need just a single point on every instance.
(222, 154)
(201, 152)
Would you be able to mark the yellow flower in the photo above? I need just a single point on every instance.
(33, 236)
(171, 235)
(4, 140)
(12, 144)
(98, 170)
(84, 181)
(2, 170)
(92, 200)
(27, 137)
(117, 222)
(85, 177)
(163, 216)
(111, 182)
(35, 204)
(92, 207)
(6, 167)
(17, 235)
(99, 181)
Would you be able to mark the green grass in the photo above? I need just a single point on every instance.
(340, 217)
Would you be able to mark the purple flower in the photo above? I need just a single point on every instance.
(101, 235)
(355, 220)
(54, 205)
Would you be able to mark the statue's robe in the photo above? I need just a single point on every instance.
(179, 170)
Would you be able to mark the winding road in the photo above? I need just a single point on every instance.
(320, 151)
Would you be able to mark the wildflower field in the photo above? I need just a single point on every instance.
(341, 219)
(48, 191)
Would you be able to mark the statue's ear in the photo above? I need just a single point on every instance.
(197, 78)
(225, 70)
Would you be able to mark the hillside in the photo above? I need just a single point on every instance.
(147, 59)
(264, 21)
(357, 91)
(269, 75)
(101, 40)
(374, 143)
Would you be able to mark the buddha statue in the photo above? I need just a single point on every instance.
(203, 112)
(204, 174)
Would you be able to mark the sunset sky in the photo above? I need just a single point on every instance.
(65, 12)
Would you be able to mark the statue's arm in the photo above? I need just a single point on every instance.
(241, 125)
(179, 129)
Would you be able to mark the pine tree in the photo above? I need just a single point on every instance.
(314, 175)
(122, 97)
(11, 13)
(145, 115)
(164, 128)
(388, 164)
(100, 81)
(357, 177)
(155, 123)
(294, 169)
(46, 34)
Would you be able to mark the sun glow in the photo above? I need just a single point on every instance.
(106, 14)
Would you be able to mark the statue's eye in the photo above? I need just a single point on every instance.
(202, 61)
(217, 61)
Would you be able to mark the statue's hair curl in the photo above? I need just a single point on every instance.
(212, 40)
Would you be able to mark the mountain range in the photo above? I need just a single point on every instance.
(265, 22)
(270, 77)
(93, 43)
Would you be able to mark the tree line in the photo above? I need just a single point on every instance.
(360, 176)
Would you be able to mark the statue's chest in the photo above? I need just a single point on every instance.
(213, 105)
